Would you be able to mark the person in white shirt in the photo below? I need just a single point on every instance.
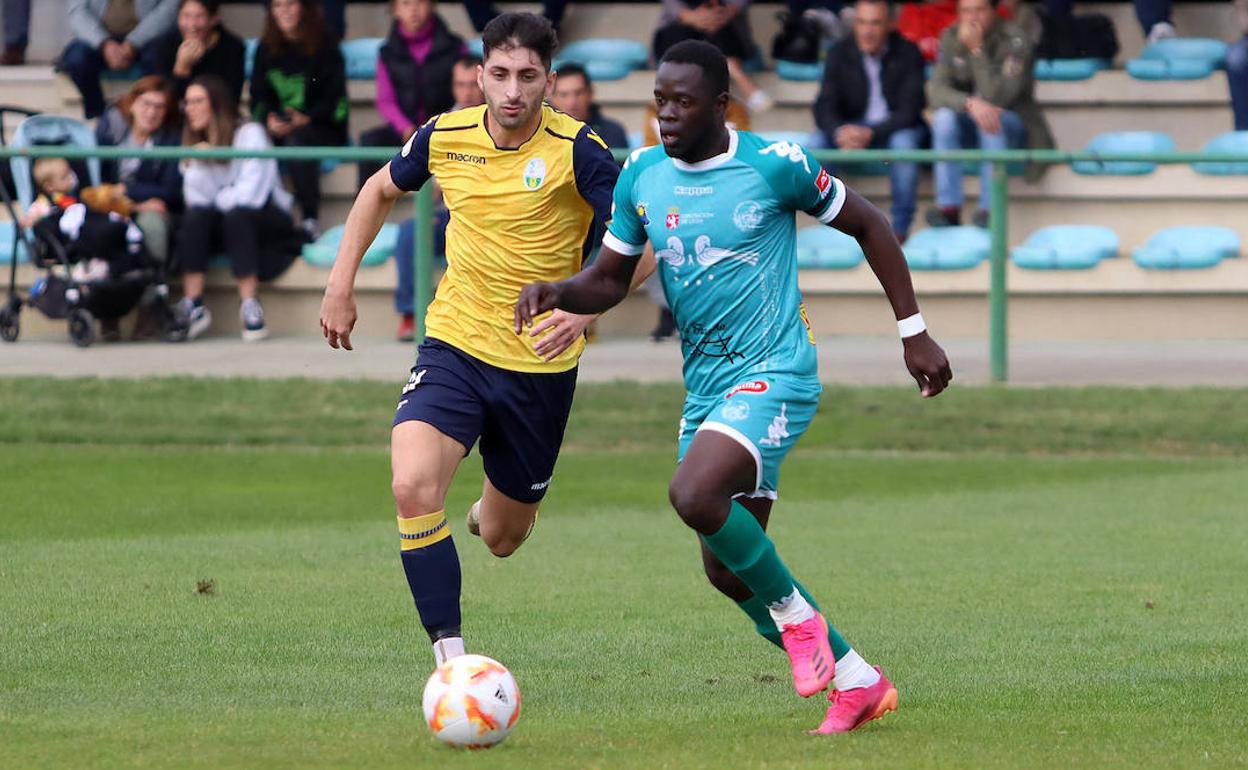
(237, 206)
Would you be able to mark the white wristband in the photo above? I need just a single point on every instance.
(908, 327)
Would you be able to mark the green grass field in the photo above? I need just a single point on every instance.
(1053, 578)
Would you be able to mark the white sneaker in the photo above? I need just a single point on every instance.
(252, 316)
(1162, 30)
(759, 101)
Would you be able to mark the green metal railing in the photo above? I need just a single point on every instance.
(423, 207)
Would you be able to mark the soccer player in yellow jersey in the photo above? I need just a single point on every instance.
(526, 187)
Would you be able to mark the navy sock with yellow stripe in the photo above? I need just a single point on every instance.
(432, 567)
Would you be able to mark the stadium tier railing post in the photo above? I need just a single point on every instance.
(424, 257)
(998, 300)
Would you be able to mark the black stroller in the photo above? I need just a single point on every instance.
(57, 294)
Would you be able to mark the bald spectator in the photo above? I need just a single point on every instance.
(872, 97)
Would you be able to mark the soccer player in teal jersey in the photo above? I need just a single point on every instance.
(718, 205)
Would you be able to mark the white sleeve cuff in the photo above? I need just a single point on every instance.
(620, 247)
(834, 207)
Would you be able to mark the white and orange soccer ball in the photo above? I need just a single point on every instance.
(471, 702)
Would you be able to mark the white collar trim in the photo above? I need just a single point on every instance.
(712, 162)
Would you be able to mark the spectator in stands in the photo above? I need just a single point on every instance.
(467, 93)
(481, 12)
(465, 88)
(1153, 15)
(983, 92)
(574, 94)
(872, 96)
(112, 35)
(1237, 68)
(414, 74)
(723, 24)
(201, 45)
(146, 116)
(299, 93)
(236, 206)
(16, 32)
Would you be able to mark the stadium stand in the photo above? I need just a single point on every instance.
(1046, 303)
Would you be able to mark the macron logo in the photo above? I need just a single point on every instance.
(459, 156)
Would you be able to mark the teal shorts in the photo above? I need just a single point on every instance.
(766, 415)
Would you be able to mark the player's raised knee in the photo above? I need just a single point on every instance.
(503, 545)
(693, 505)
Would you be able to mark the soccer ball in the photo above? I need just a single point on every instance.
(471, 702)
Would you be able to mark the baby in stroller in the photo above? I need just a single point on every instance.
(92, 223)
(101, 244)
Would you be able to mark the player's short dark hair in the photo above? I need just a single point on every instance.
(575, 70)
(521, 30)
(468, 60)
(712, 61)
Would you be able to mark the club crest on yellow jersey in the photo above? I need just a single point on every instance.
(534, 173)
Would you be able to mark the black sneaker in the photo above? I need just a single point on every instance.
(936, 216)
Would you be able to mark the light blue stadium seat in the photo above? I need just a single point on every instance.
(1069, 69)
(947, 248)
(1066, 247)
(635, 139)
(476, 47)
(249, 55)
(321, 252)
(1232, 141)
(360, 56)
(1187, 248)
(1124, 141)
(133, 72)
(605, 58)
(1178, 59)
(8, 233)
(630, 52)
(800, 71)
(811, 140)
(824, 248)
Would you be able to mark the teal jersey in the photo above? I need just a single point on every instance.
(724, 235)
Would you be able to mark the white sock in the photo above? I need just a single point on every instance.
(791, 610)
(448, 647)
(852, 672)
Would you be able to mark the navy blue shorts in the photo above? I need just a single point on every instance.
(518, 416)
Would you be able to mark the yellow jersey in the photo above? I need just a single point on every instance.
(517, 216)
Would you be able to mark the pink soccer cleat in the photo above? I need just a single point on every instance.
(810, 654)
(852, 709)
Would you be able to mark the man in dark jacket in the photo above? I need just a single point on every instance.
(872, 97)
(574, 94)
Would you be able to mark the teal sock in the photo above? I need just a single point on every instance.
(766, 627)
(763, 624)
(743, 547)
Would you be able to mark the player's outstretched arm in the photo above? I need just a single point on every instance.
(925, 360)
(369, 211)
(596, 289)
